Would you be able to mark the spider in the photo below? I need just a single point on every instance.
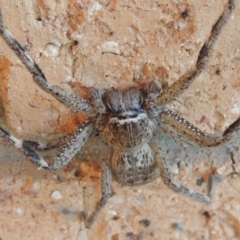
(127, 120)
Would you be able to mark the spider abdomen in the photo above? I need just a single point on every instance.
(134, 166)
(128, 132)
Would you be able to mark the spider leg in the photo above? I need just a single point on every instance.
(191, 133)
(184, 82)
(53, 143)
(34, 157)
(106, 193)
(67, 152)
(166, 177)
(70, 100)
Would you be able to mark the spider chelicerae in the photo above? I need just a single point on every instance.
(127, 119)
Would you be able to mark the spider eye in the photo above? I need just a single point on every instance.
(115, 101)
(133, 99)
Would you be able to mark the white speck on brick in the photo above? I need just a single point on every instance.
(36, 185)
(19, 211)
(56, 195)
(113, 212)
(82, 234)
(173, 168)
(51, 50)
(235, 109)
(110, 47)
(96, 6)
(182, 24)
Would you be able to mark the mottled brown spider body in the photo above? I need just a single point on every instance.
(129, 131)
(128, 120)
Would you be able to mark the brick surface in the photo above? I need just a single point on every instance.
(77, 45)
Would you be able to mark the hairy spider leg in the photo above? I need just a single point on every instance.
(75, 103)
(106, 192)
(67, 152)
(19, 144)
(53, 143)
(187, 130)
(166, 177)
(185, 81)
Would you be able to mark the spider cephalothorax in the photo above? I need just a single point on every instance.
(128, 125)
(128, 120)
